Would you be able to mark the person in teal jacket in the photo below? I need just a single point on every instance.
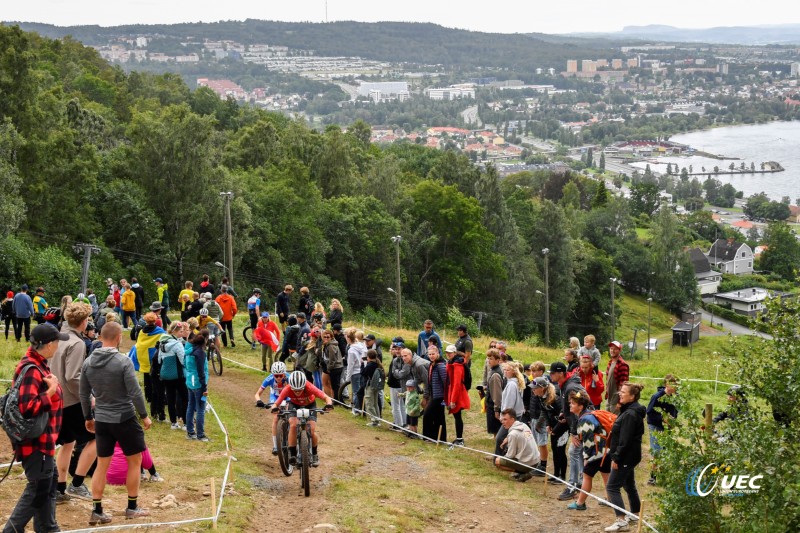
(196, 372)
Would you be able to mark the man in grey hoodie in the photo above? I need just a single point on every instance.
(109, 376)
(522, 454)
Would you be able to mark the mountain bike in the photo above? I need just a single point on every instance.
(304, 443)
(212, 352)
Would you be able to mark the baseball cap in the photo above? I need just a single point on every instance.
(558, 366)
(539, 382)
(207, 296)
(158, 280)
(615, 343)
(451, 348)
(47, 333)
(265, 314)
(10, 294)
(411, 383)
(398, 341)
(370, 337)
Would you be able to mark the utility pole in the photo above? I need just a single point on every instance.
(228, 196)
(480, 319)
(613, 313)
(396, 240)
(546, 251)
(649, 303)
(88, 250)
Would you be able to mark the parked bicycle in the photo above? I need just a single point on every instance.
(303, 442)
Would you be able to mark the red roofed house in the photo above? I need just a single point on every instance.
(794, 213)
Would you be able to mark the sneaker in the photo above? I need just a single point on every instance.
(538, 473)
(176, 425)
(632, 518)
(619, 525)
(314, 460)
(567, 495)
(293, 460)
(458, 442)
(651, 481)
(274, 450)
(233, 344)
(62, 498)
(79, 492)
(136, 513)
(99, 518)
(575, 506)
(524, 477)
(515, 475)
(253, 346)
(155, 478)
(144, 476)
(191, 436)
(202, 439)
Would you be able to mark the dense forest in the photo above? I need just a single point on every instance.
(399, 42)
(135, 162)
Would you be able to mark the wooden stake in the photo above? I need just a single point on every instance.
(439, 436)
(544, 487)
(214, 504)
(641, 512)
(709, 419)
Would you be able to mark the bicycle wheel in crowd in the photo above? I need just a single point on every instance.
(283, 447)
(216, 360)
(305, 461)
(346, 393)
(247, 333)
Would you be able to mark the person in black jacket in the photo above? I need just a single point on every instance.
(625, 450)
(282, 305)
(546, 409)
(659, 404)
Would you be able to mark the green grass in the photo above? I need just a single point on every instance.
(644, 234)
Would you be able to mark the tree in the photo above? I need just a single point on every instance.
(674, 281)
(600, 197)
(644, 198)
(602, 161)
(782, 255)
(12, 204)
(694, 204)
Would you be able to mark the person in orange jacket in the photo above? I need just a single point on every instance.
(268, 335)
(457, 398)
(229, 310)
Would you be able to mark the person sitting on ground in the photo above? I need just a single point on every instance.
(521, 453)
(593, 436)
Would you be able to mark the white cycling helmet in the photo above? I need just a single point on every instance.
(297, 380)
(204, 312)
(278, 368)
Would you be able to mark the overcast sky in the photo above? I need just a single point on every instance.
(511, 16)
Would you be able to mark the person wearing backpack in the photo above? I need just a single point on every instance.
(39, 395)
(374, 378)
(594, 429)
(457, 396)
(171, 352)
(39, 306)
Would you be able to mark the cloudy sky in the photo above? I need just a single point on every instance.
(511, 16)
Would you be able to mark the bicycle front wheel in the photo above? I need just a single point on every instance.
(283, 447)
(216, 360)
(247, 333)
(305, 462)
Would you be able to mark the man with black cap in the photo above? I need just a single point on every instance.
(464, 345)
(617, 373)
(305, 330)
(396, 385)
(374, 344)
(22, 306)
(39, 395)
(568, 422)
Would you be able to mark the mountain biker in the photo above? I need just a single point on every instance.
(276, 381)
(205, 321)
(301, 393)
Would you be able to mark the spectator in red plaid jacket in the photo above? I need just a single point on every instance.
(40, 393)
(616, 374)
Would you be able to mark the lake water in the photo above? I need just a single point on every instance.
(776, 141)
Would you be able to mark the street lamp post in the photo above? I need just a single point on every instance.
(691, 336)
(649, 303)
(546, 251)
(227, 197)
(396, 240)
(613, 313)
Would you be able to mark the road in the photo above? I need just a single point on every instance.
(470, 116)
(733, 327)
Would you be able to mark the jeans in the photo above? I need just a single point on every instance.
(38, 500)
(355, 385)
(623, 477)
(398, 407)
(21, 324)
(575, 464)
(196, 406)
(502, 433)
(126, 315)
(655, 448)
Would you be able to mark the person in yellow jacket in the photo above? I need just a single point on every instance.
(128, 304)
(187, 291)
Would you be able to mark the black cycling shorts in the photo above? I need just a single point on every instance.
(129, 434)
(73, 426)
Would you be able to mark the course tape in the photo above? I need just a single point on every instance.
(142, 525)
(454, 447)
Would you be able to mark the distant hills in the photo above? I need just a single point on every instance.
(400, 42)
(747, 35)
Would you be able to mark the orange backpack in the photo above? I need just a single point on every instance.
(606, 419)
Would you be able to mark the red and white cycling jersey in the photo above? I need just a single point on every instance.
(303, 398)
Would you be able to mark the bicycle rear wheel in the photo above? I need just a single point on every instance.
(247, 333)
(305, 461)
(216, 360)
(283, 447)
(346, 393)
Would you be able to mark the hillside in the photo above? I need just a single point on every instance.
(745, 35)
(401, 42)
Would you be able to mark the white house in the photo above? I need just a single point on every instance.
(748, 302)
(731, 257)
